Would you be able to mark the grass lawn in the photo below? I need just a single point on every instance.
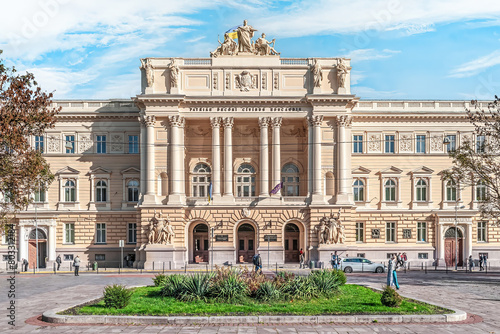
(352, 299)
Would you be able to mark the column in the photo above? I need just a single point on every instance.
(215, 122)
(440, 243)
(344, 194)
(469, 241)
(52, 242)
(316, 121)
(150, 158)
(23, 244)
(176, 159)
(92, 193)
(276, 174)
(142, 144)
(264, 157)
(228, 156)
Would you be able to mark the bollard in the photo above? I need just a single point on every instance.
(206, 267)
(422, 266)
(54, 268)
(426, 267)
(97, 269)
(435, 265)
(169, 265)
(33, 270)
(119, 272)
(185, 267)
(153, 266)
(163, 271)
(276, 268)
(446, 268)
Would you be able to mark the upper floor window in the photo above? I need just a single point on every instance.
(390, 231)
(390, 190)
(245, 181)
(133, 144)
(100, 233)
(360, 232)
(101, 143)
(133, 191)
(389, 144)
(358, 190)
(40, 194)
(451, 191)
(132, 233)
(420, 144)
(480, 142)
(481, 191)
(357, 144)
(421, 190)
(451, 141)
(39, 144)
(481, 231)
(201, 180)
(70, 144)
(69, 233)
(101, 191)
(69, 191)
(290, 178)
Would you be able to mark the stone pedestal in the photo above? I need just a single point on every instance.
(149, 90)
(341, 91)
(158, 257)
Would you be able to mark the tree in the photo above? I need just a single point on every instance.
(476, 163)
(25, 111)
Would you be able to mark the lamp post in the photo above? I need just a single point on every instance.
(36, 238)
(456, 234)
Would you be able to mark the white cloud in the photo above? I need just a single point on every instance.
(357, 77)
(476, 66)
(61, 81)
(370, 54)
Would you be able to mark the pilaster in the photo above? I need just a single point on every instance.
(264, 156)
(344, 194)
(177, 124)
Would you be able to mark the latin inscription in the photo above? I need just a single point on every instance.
(245, 109)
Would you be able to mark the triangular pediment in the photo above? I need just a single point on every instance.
(67, 170)
(130, 170)
(361, 170)
(99, 170)
(391, 170)
(422, 170)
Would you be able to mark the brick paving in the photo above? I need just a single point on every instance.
(474, 293)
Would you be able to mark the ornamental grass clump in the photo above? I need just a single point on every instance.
(116, 296)
(390, 297)
(299, 287)
(173, 286)
(229, 287)
(159, 279)
(196, 287)
(325, 281)
(267, 291)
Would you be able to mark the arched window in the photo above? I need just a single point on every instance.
(481, 191)
(390, 190)
(133, 191)
(451, 191)
(245, 181)
(421, 190)
(69, 191)
(101, 191)
(201, 180)
(290, 179)
(358, 190)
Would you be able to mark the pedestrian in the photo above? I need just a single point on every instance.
(257, 261)
(76, 264)
(58, 261)
(481, 262)
(399, 260)
(301, 258)
(25, 264)
(471, 263)
(405, 259)
(391, 265)
(485, 263)
(335, 261)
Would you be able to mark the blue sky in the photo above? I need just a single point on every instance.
(401, 49)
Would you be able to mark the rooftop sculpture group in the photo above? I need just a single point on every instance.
(245, 44)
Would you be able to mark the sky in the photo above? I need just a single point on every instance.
(399, 49)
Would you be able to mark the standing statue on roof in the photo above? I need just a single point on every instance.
(245, 34)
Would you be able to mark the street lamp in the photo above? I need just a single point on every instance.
(456, 234)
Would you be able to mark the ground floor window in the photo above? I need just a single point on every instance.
(68, 257)
(100, 257)
(423, 256)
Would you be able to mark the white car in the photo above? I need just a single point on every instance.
(351, 264)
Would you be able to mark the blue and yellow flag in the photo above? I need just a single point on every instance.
(210, 198)
(232, 33)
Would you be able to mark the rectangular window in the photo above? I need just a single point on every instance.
(68, 257)
(100, 257)
(481, 231)
(69, 233)
(421, 144)
(358, 144)
(422, 231)
(242, 244)
(70, 144)
(423, 256)
(360, 232)
(360, 255)
(390, 231)
(452, 143)
(389, 144)
(101, 144)
(132, 233)
(101, 233)
(40, 195)
(133, 144)
(480, 141)
(39, 141)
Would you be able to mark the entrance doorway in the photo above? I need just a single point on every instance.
(246, 246)
(451, 246)
(42, 249)
(200, 243)
(291, 239)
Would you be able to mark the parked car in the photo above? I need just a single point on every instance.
(351, 264)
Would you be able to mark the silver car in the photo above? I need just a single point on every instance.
(351, 264)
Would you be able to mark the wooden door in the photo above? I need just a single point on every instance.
(246, 243)
(201, 243)
(449, 251)
(292, 247)
(32, 255)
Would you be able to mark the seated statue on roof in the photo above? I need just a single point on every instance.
(227, 48)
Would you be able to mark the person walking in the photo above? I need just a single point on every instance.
(485, 262)
(25, 264)
(301, 258)
(391, 265)
(58, 261)
(257, 261)
(481, 262)
(335, 261)
(471, 263)
(76, 264)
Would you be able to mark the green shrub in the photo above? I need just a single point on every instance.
(299, 287)
(116, 296)
(196, 287)
(267, 291)
(340, 277)
(159, 279)
(229, 288)
(173, 286)
(325, 281)
(390, 297)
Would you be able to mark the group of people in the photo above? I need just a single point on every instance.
(401, 260)
(483, 262)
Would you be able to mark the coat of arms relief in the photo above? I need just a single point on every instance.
(245, 81)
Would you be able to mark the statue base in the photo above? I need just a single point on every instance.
(174, 90)
(176, 199)
(344, 199)
(342, 91)
(149, 90)
(317, 90)
(159, 257)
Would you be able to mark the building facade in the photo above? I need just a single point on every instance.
(219, 158)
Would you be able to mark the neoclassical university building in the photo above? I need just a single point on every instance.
(246, 151)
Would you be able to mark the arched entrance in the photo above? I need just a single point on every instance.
(32, 248)
(291, 240)
(452, 241)
(200, 243)
(246, 243)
